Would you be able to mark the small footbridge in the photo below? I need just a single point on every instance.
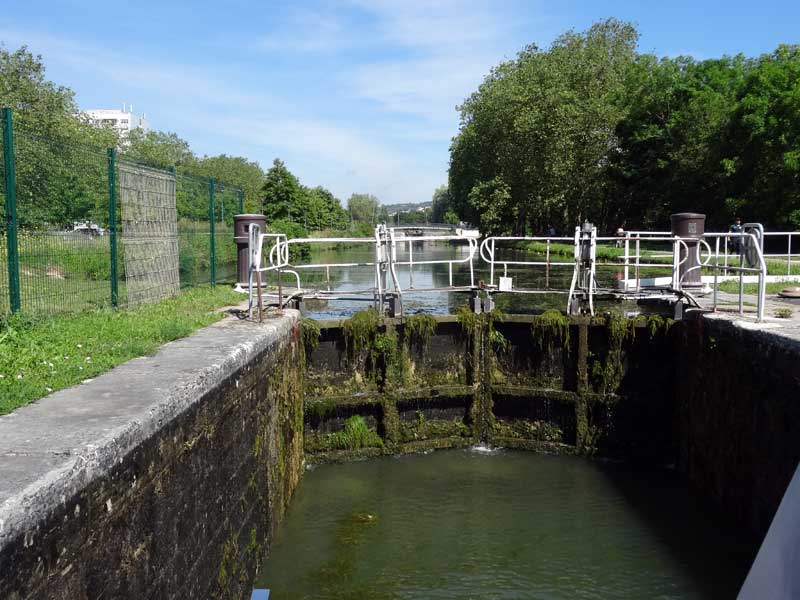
(683, 267)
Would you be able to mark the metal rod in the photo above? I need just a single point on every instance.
(112, 224)
(212, 249)
(11, 211)
(410, 264)
(547, 267)
(716, 278)
(260, 302)
(741, 281)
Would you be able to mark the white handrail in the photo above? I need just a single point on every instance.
(710, 253)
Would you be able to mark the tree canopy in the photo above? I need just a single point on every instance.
(363, 208)
(589, 128)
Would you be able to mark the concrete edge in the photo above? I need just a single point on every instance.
(23, 512)
(774, 334)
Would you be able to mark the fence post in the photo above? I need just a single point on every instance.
(112, 223)
(211, 186)
(11, 210)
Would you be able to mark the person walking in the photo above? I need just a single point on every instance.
(620, 233)
(736, 242)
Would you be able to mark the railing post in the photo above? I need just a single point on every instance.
(11, 211)
(112, 224)
(212, 249)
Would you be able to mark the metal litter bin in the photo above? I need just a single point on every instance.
(241, 224)
(693, 226)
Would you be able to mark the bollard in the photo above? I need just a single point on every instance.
(240, 226)
(693, 226)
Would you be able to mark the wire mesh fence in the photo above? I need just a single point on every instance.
(82, 230)
(148, 220)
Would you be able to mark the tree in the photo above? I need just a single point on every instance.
(440, 204)
(237, 170)
(762, 142)
(363, 208)
(282, 197)
(159, 149)
(60, 158)
(537, 133)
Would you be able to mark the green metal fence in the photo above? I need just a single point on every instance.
(62, 241)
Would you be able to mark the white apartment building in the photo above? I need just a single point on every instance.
(123, 121)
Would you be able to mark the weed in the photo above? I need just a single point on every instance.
(356, 435)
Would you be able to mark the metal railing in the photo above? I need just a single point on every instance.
(690, 265)
(489, 249)
(792, 254)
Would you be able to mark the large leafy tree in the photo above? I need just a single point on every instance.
(159, 149)
(363, 208)
(282, 196)
(762, 141)
(535, 137)
(60, 158)
(589, 129)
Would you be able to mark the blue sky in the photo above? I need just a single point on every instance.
(358, 96)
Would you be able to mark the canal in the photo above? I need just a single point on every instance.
(501, 524)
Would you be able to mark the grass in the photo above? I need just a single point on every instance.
(70, 273)
(42, 354)
(661, 255)
(773, 287)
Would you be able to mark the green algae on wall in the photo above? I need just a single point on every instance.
(549, 329)
(311, 331)
(419, 329)
(485, 349)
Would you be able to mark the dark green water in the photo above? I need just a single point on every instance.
(464, 524)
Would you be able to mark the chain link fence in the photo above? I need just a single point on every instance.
(81, 229)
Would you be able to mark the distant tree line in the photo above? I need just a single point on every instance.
(591, 129)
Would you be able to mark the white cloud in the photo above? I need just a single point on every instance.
(450, 47)
(304, 30)
(340, 157)
(378, 116)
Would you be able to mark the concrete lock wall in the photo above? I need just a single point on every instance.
(534, 382)
(160, 479)
(717, 402)
(738, 416)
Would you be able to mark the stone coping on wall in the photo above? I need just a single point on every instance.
(779, 333)
(55, 447)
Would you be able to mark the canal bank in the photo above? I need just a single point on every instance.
(163, 478)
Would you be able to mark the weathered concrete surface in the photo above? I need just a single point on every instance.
(737, 391)
(160, 478)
